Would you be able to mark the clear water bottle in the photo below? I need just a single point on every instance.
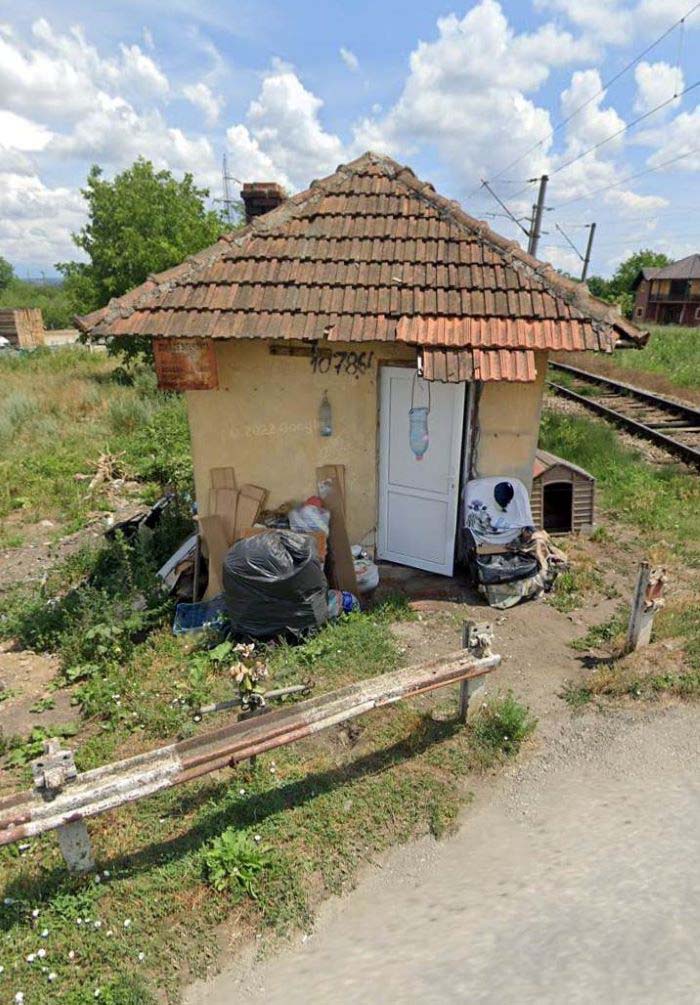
(325, 418)
(418, 436)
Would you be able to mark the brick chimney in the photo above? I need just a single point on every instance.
(260, 197)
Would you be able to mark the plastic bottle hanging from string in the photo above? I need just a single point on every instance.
(418, 435)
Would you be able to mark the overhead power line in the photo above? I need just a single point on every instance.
(603, 87)
(630, 177)
(628, 125)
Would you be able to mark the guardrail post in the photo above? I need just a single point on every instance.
(477, 638)
(648, 599)
(51, 772)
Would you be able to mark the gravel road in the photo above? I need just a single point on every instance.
(575, 879)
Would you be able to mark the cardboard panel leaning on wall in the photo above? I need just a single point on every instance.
(263, 422)
(508, 422)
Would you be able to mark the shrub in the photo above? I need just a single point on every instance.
(129, 414)
(501, 725)
(234, 862)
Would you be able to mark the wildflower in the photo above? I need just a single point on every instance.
(19, 998)
(97, 879)
(53, 975)
(31, 957)
(45, 933)
(35, 912)
(41, 953)
(106, 874)
(241, 792)
(257, 838)
(71, 954)
(142, 956)
(127, 923)
(98, 924)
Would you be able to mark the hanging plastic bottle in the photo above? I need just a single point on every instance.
(325, 417)
(418, 435)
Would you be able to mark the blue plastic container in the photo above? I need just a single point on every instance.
(196, 617)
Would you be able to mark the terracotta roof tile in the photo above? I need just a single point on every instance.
(369, 252)
(456, 365)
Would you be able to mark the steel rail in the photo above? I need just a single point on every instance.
(27, 814)
(687, 453)
(666, 404)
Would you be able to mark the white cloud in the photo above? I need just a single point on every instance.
(202, 97)
(680, 136)
(350, 59)
(468, 94)
(18, 133)
(116, 134)
(62, 74)
(284, 121)
(604, 20)
(656, 83)
(139, 71)
(631, 202)
(591, 123)
(247, 161)
(36, 221)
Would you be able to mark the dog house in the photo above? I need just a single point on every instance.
(563, 495)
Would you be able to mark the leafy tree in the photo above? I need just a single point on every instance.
(50, 298)
(627, 271)
(6, 273)
(599, 287)
(618, 289)
(143, 221)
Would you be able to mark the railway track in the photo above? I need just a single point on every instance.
(667, 423)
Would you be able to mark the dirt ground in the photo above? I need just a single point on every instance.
(570, 879)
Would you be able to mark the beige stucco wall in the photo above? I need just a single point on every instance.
(507, 427)
(262, 421)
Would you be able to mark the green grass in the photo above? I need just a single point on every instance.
(60, 410)
(663, 503)
(261, 848)
(671, 351)
(618, 676)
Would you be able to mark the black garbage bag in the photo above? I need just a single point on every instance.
(274, 585)
(505, 568)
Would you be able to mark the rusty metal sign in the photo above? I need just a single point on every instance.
(185, 364)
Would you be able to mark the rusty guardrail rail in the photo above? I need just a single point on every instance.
(63, 798)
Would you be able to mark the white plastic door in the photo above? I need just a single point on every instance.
(418, 499)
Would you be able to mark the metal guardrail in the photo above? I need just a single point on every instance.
(63, 799)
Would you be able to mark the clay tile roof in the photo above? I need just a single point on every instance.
(369, 253)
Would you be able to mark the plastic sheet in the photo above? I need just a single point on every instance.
(274, 586)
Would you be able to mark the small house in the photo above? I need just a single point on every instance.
(670, 294)
(319, 332)
(563, 495)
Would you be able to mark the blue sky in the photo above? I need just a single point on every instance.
(289, 90)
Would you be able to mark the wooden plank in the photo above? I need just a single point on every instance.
(255, 492)
(224, 503)
(222, 478)
(246, 513)
(217, 545)
(340, 565)
(328, 472)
